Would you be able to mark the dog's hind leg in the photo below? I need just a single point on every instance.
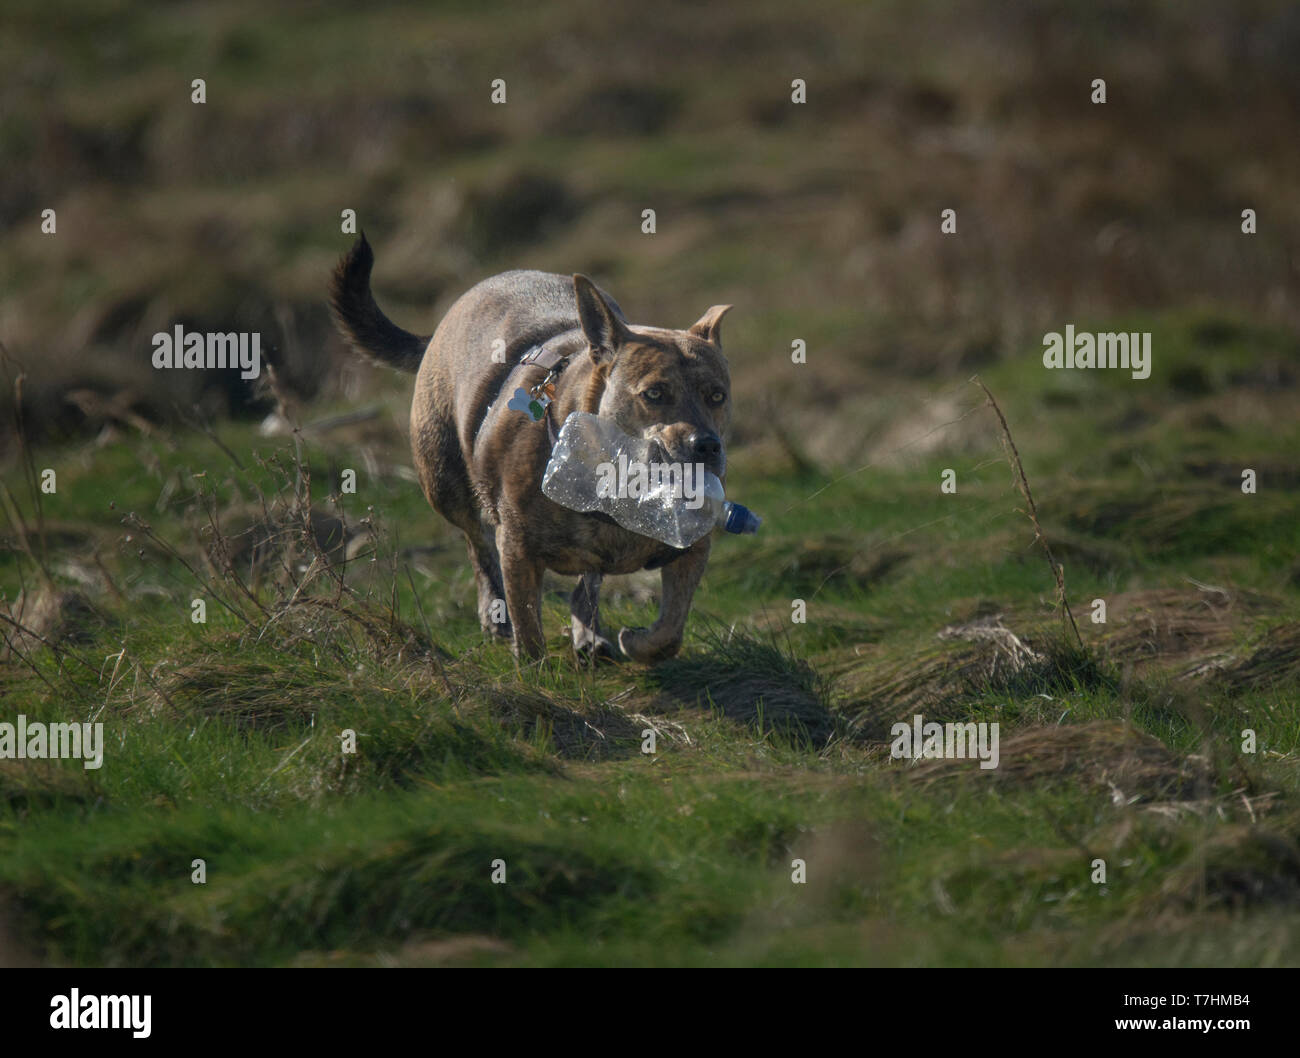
(584, 610)
(445, 481)
(493, 613)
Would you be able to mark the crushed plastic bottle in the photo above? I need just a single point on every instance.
(595, 466)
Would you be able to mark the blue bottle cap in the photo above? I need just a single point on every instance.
(741, 519)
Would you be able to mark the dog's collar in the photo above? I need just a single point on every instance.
(547, 355)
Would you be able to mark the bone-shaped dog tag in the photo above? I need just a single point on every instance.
(533, 407)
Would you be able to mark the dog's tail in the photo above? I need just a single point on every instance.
(366, 329)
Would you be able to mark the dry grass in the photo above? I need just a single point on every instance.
(1173, 629)
(964, 661)
(1107, 756)
(1273, 661)
(1199, 634)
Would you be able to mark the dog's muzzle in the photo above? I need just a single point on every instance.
(706, 447)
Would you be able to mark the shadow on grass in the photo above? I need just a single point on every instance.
(756, 683)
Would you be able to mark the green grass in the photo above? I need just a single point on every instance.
(223, 739)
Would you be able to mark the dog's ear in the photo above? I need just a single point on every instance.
(709, 326)
(600, 323)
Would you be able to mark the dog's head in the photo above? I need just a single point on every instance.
(669, 387)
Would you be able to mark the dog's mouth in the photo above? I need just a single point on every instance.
(715, 463)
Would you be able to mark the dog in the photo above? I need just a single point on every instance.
(480, 462)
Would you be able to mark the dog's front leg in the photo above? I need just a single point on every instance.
(523, 585)
(664, 638)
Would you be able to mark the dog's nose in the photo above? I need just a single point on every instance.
(706, 445)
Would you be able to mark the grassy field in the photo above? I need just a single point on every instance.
(329, 613)
(223, 738)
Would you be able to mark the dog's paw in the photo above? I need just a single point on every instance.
(639, 645)
(597, 649)
(589, 644)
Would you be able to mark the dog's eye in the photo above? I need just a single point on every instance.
(655, 394)
(717, 398)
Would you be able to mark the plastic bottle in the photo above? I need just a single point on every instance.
(596, 467)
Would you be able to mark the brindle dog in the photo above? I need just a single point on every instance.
(480, 463)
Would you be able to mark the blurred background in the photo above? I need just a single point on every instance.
(818, 221)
